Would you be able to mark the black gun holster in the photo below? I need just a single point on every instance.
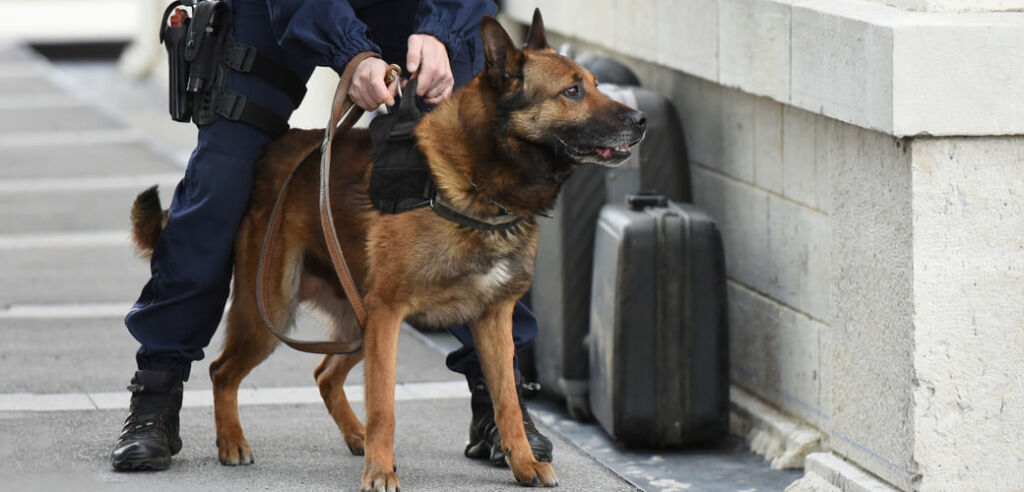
(201, 52)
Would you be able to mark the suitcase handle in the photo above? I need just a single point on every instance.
(641, 201)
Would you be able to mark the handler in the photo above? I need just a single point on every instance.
(181, 305)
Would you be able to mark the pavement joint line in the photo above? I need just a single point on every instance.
(70, 137)
(72, 239)
(100, 183)
(118, 400)
(66, 311)
(39, 101)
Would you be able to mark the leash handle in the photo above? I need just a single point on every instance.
(344, 114)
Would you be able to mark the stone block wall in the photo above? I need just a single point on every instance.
(816, 219)
(863, 160)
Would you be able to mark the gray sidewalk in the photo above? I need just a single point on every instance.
(68, 174)
(69, 170)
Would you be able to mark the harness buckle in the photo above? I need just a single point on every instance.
(240, 57)
(230, 105)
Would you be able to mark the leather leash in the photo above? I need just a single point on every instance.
(344, 114)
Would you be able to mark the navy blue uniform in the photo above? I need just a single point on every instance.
(181, 305)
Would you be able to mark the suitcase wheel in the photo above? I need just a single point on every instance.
(579, 408)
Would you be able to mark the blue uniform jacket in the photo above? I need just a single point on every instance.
(331, 34)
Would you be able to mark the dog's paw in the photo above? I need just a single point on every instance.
(234, 452)
(356, 443)
(376, 479)
(531, 472)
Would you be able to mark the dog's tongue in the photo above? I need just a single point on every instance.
(604, 152)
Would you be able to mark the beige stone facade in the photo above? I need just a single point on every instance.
(865, 163)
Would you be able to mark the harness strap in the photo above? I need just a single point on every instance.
(236, 107)
(344, 114)
(244, 58)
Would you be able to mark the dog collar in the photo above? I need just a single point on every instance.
(494, 223)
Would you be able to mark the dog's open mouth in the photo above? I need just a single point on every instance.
(605, 156)
(600, 153)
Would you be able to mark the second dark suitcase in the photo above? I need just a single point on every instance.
(658, 341)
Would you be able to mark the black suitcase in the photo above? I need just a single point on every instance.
(659, 371)
(560, 296)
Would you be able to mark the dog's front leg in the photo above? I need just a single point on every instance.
(493, 339)
(381, 348)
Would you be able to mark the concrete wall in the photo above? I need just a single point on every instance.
(876, 274)
(969, 311)
(816, 218)
(899, 72)
(956, 5)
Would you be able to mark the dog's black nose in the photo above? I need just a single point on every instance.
(637, 119)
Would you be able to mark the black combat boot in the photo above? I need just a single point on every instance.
(150, 435)
(484, 439)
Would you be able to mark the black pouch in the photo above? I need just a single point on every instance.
(173, 34)
(401, 179)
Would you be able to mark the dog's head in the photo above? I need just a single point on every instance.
(550, 101)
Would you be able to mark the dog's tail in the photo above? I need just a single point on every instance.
(148, 221)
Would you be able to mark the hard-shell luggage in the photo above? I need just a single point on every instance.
(560, 297)
(658, 341)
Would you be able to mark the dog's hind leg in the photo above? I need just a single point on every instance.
(492, 335)
(332, 371)
(247, 343)
(330, 376)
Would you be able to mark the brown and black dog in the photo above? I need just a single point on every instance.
(507, 140)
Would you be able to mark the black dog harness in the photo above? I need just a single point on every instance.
(401, 180)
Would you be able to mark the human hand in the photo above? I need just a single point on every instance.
(368, 90)
(428, 61)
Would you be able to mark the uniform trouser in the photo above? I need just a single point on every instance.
(181, 305)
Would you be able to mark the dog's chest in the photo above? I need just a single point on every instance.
(462, 287)
(494, 279)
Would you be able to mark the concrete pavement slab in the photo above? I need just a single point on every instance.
(78, 275)
(62, 161)
(727, 467)
(98, 355)
(54, 119)
(14, 52)
(297, 447)
(140, 104)
(62, 210)
(31, 85)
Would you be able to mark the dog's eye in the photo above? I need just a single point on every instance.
(573, 92)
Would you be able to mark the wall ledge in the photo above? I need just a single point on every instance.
(828, 472)
(783, 439)
(900, 72)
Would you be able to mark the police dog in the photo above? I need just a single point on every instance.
(507, 141)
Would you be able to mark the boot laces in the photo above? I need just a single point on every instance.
(146, 411)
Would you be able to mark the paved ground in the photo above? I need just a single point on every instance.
(68, 172)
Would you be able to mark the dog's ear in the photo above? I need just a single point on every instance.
(503, 60)
(537, 38)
